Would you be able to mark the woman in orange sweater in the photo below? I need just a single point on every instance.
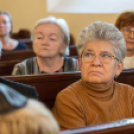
(96, 98)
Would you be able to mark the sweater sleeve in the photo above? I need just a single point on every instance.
(68, 110)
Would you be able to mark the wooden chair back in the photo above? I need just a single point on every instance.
(6, 67)
(125, 126)
(17, 55)
(48, 85)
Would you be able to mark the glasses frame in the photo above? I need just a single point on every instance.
(111, 56)
(127, 30)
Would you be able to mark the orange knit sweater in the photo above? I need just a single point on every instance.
(81, 104)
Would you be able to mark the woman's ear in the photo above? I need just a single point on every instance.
(79, 63)
(119, 68)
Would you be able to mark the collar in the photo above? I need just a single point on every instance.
(97, 92)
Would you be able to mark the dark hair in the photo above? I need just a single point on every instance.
(10, 19)
(125, 19)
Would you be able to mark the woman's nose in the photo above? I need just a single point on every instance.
(97, 60)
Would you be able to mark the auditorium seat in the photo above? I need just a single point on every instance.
(6, 67)
(48, 85)
(125, 126)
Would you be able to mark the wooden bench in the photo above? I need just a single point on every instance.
(6, 67)
(73, 50)
(125, 126)
(126, 76)
(48, 85)
(17, 55)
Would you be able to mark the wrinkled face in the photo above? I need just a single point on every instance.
(128, 33)
(5, 25)
(97, 72)
(48, 41)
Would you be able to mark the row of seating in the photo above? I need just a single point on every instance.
(125, 126)
(49, 85)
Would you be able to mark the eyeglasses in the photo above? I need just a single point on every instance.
(127, 30)
(103, 57)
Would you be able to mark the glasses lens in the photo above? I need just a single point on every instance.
(105, 58)
(88, 57)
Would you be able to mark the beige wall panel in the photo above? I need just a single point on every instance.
(26, 12)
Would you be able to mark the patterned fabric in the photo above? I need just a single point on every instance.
(30, 66)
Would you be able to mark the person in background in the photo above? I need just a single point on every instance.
(125, 23)
(50, 43)
(6, 27)
(26, 90)
(96, 98)
(19, 115)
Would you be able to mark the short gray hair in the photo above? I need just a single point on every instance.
(0, 48)
(103, 31)
(61, 23)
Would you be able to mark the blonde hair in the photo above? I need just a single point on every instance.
(34, 118)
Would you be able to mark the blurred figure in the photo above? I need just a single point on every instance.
(26, 90)
(50, 43)
(6, 26)
(21, 116)
(125, 23)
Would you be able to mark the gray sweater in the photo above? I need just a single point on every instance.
(30, 66)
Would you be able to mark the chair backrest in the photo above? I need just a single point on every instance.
(6, 67)
(17, 55)
(126, 76)
(73, 50)
(48, 85)
(125, 126)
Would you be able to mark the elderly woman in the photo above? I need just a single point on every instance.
(6, 25)
(96, 97)
(125, 23)
(50, 43)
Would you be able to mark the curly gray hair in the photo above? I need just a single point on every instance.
(103, 31)
(62, 25)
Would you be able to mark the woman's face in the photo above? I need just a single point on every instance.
(101, 70)
(48, 41)
(128, 33)
(5, 25)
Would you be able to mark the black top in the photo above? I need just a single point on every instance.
(26, 90)
(20, 46)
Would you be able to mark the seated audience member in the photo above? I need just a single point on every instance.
(6, 26)
(19, 115)
(125, 23)
(26, 90)
(96, 98)
(50, 43)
